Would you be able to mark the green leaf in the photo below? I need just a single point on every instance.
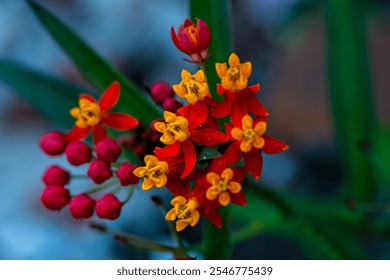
(49, 95)
(350, 92)
(380, 154)
(95, 69)
(208, 153)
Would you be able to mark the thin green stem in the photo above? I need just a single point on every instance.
(129, 194)
(101, 187)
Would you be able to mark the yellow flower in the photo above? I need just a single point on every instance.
(174, 128)
(249, 135)
(154, 173)
(183, 212)
(192, 87)
(220, 185)
(236, 76)
(87, 114)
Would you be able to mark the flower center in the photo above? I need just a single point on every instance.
(184, 212)
(221, 186)
(174, 128)
(192, 32)
(249, 135)
(154, 173)
(192, 87)
(88, 113)
(234, 74)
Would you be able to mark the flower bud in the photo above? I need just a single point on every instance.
(108, 207)
(193, 40)
(56, 175)
(78, 153)
(172, 105)
(53, 143)
(81, 206)
(125, 174)
(99, 171)
(108, 150)
(161, 91)
(55, 197)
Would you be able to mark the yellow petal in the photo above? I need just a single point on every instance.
(260, 128)
(195, 218)
(245, 146)
(235, 187)
(221, 69)
(224, 199)
(258, 143)
(236, 133)
(180, 225)
(246, 69)
(185, 75)
(234, 61)
(247, 122)
(212, 193)
(211, 177)
(227, 174)
(147, 184)
(171, 215)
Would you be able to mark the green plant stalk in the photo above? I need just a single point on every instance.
(350, 93)
(217, 243)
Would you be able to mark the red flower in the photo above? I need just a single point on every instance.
(93, 116)
(248, 140)
(193, 40)
(239, 103)
(182, 132)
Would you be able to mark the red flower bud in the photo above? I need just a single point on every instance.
(140, 149)
(55, 197)
(108, 207)
(56, 175)
(108, 150)
(193, 40)
(81, 206)
(53, 143)
(78, 153)
(161, 91)
(125, 174)
(99, 171)
(172, 105)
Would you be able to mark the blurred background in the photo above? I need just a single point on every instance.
(286, 42)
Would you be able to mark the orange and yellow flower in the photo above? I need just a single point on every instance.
(92, 115)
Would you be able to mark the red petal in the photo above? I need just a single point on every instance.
(189, 157)
(254, 105)
(109, 98)
(208, 136)
(204, 35)
(176, 187)
(99, 134)
(220, 89)
(255, 88)
(197, 114)
(232, 155)
(238, 198)
(76, 133)
(215, 218)
(228, 129)
(174, 38)
(239, 174)
(120, 121)
(237, 110)
(273, 145)
(168, 151)
(87, 96)
(222, 109)
(185, 43)
(253, 162)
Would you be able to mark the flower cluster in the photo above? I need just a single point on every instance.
(171, 150)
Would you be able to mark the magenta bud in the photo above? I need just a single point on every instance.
(160, 92)
(78, 153)
(99, 171)
(108, 207)
(108, 150)
(53, 143)
(81, 206)
(55, 197)
(172, 105)
(125, 174)
(56, 175)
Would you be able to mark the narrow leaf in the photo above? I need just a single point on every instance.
(94, 68)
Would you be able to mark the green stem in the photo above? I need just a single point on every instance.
(217, 243)
(350, 93)
(101, 187)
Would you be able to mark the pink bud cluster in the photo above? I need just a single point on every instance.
(56, 193)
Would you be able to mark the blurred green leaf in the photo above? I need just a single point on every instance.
(380, 154)
(50, 95)
(95, 69)
(350, 92)
(208, 153)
